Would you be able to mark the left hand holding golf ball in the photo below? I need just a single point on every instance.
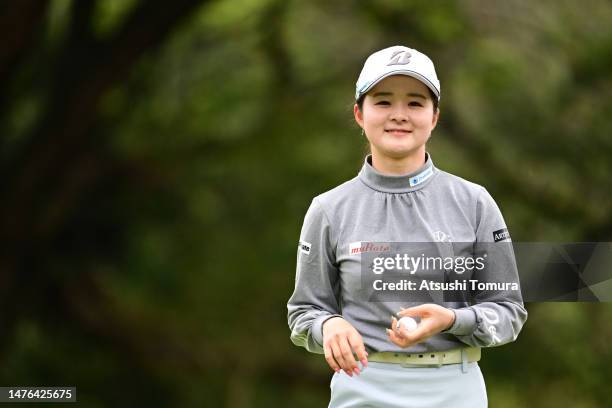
(433, 319)
(407, 323)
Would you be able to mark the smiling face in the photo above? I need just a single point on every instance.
(397, 117)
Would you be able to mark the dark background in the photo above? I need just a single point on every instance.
(157, 159)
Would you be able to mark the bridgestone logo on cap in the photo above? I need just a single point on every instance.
(401, 57)
(501, 234)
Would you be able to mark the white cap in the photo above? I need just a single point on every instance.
(393, 61)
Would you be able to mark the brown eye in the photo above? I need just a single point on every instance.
(382, 103)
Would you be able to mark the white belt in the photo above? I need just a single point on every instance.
(431, 358)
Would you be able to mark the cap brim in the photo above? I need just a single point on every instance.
(409, 73)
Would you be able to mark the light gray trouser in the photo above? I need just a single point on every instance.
(388, 385)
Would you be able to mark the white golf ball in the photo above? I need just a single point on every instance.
(407, 323)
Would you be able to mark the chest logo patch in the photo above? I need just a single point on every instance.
(440, 236)
(359, 247)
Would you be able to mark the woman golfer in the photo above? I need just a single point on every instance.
(400, 196)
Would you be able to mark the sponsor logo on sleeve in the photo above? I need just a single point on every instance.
(304, 247)
(501, 234)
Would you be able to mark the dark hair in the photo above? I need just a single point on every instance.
(436, 103)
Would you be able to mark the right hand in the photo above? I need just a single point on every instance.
(340, 341)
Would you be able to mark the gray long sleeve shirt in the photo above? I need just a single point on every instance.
(426, 206)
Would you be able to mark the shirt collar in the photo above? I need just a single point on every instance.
(397, 184)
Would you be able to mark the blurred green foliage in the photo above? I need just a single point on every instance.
(149, 263)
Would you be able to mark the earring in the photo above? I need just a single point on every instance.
(362, 132)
